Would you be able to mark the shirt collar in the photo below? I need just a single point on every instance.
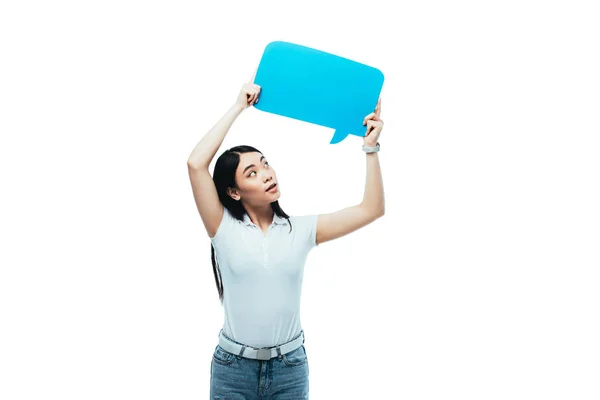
(277, 220)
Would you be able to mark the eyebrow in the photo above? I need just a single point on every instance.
(252, 165)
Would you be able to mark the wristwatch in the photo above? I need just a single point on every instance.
(368, 149)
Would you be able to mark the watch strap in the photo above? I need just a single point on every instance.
(368, 149)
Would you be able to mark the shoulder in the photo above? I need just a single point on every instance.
(304, 219)
(228, 224)
(305, 227)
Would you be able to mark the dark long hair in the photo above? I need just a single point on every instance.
(224, 177)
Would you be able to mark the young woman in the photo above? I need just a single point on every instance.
(258, 254)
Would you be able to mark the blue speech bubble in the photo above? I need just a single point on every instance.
(317, 87)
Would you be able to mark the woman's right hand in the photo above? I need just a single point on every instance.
(248, 95)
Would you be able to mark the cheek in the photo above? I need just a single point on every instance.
(255, 189)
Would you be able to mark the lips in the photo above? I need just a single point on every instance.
(271, 187)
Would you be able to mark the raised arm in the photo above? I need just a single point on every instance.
(204, 190)
(340, 223)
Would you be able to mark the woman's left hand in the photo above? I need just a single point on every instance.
(374, 126)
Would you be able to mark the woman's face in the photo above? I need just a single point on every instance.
(253, 176)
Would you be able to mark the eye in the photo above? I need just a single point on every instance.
(254, 172)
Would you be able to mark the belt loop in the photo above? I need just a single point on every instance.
(242, 351)
(278, 352)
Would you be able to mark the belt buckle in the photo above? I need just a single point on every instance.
(263, 354)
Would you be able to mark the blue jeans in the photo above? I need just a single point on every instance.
(233, 377)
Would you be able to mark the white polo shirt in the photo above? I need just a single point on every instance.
(262, 276)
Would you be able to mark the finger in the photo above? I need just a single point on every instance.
(377, 111)
(253, 76)
(371, 116)
(369, 127)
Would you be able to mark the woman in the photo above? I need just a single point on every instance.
(258, 258)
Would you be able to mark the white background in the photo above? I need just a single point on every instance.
(480, 282)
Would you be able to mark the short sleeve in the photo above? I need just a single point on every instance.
(307, 229)
(228, 223)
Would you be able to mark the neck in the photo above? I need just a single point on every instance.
(261, 216)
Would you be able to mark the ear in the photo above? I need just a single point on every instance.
(233, 193)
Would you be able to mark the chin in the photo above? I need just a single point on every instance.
(276, 196)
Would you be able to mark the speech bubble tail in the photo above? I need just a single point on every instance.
(338, 136)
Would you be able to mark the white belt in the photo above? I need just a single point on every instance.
(262, 353)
